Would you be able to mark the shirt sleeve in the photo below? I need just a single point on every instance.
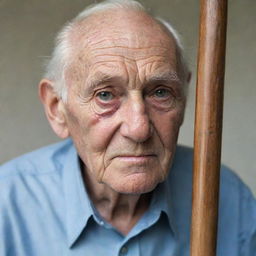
(248, 223)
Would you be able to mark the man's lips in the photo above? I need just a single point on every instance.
(136, 158)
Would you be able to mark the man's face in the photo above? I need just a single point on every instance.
(125, 102)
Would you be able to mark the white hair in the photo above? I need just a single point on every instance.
(60, 59)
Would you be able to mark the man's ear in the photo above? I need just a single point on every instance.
(54, 108)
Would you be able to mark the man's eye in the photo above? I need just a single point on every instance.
(105, 96)
(162, 93)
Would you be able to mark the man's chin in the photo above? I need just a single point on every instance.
(136, 185)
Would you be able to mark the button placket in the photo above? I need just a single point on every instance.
(123, 250)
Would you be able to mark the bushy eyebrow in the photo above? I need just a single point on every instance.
(164, 78)
(101, 78)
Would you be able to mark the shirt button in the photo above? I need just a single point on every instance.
(123, 250)
(101, 223)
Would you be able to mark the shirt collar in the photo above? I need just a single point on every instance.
(163, 202)
(78, 207)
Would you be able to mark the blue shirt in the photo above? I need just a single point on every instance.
(45, 211)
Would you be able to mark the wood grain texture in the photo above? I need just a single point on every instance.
(208, 126)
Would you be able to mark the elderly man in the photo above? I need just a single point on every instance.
(116, 84)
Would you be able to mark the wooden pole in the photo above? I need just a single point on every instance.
(208, 126)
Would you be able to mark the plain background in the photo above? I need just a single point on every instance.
(27, 30)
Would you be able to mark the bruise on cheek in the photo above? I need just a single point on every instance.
(95, 118)
(100, 112)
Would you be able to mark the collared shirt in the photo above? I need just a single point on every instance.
(45, 211)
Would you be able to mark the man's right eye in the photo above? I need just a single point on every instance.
(105, 96)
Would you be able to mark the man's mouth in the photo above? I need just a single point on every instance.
(136, 158)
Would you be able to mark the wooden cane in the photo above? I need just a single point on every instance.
(208, 126)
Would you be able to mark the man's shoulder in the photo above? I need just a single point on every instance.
(38, 174)
(237, 205)
(33, 196)
(40, 161)
(229, 180)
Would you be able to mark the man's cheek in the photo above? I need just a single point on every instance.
(94, 163)
(102, 133)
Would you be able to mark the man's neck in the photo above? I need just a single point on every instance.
(122, 211)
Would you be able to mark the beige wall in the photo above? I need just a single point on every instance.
(27, 29)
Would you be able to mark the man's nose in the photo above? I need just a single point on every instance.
(136, 124)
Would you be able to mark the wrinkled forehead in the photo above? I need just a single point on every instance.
(112, 36)
(127, 29)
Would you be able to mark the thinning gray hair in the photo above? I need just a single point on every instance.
(59, 61)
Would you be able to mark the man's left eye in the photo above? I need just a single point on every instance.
(162, 93)
(105, 96)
